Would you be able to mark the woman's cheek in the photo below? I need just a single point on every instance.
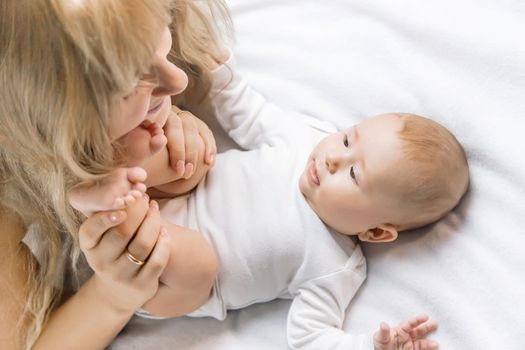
(127, 115)
(136, 110)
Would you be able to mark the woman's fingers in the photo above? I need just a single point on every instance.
(176, 145)
(209, 143)
(114, 241)
(191, 142)
(144, 241)
(158, 258)
(92, 230)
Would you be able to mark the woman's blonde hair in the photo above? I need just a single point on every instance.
(63, 63)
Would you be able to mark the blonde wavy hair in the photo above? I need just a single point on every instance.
(62, 65)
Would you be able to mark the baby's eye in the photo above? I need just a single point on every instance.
(352, 174)
(345, 140)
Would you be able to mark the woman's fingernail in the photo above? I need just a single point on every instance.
(180, 167)
(154, 205)
(116, 216)
(211, 159)
(189, 168)
(163, 235)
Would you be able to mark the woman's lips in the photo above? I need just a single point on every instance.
(156, 108)
(312, 175)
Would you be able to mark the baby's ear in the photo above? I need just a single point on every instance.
(380, 234)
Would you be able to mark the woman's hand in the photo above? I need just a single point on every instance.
(409, 335)
(106, 238)
(187, 135)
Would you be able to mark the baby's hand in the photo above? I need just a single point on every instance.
(408, 335)
(114, 191)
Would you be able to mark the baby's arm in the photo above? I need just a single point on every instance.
(316, 317)
(114, 191)
(317, 313)
(245, 114)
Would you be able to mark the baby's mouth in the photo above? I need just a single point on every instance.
(312, 174)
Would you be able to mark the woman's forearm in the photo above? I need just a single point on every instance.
(87, 320)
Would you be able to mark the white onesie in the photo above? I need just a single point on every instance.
(270, 243)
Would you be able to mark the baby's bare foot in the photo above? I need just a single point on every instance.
(141, 143)
(115, 191)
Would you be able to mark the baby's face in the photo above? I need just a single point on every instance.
(352, 178)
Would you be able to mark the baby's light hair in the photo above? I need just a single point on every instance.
(438, 175)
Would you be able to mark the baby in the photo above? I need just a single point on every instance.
(281, 216)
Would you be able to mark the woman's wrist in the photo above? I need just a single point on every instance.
(89, 319)
(115, 302)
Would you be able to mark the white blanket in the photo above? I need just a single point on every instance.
(461, 62)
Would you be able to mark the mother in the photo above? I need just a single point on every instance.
(68, 91)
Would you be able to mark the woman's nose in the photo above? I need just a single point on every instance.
(171, 79)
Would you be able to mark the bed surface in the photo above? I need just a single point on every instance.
(459, 62)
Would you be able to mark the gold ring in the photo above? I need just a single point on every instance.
(181, 112)
(133, 259)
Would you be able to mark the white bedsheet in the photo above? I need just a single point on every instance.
(461, 62)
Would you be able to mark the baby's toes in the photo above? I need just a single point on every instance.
(136, 174)
(139, 186)
(118, 203)
(136, 193)
(129, 199)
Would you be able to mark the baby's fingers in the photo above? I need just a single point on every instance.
(424, 329)
(408, 326)
(425, 344)
(382, 336)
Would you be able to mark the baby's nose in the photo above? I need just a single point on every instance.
(334, 161)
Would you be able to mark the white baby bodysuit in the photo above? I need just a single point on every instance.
(270, 243)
